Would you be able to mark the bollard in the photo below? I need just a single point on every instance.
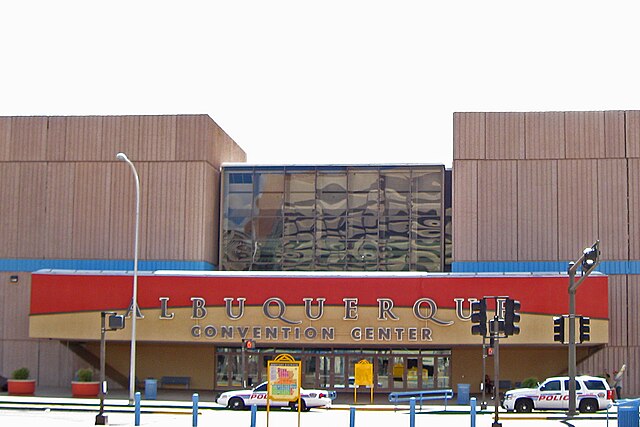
(412, 412)
(137, 408)
(473, 411)
(254, 410)
(352, 416)
(194, 398)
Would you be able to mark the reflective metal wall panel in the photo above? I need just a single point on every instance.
(355, 218)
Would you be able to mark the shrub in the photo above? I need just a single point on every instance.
(20, 374)
(530, 382)
(84, 375)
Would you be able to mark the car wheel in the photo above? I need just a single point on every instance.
(303, 408)
(588, 405)
(524, 405)
(236, 404)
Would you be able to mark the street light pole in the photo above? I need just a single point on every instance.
(572, 340)
(588, 261)
(134, 304)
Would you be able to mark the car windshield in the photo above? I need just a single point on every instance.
(261, 387)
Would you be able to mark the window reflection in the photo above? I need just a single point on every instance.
(357, 218)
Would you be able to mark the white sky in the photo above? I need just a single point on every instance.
(320, 81)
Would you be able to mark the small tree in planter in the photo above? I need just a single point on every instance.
(84, 386)
(20, 384)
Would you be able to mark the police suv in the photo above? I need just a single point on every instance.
(592, 394)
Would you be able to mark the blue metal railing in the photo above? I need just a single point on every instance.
(419, 396)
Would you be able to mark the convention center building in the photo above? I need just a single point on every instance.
(333, 264)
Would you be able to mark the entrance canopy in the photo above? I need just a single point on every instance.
(306, 309)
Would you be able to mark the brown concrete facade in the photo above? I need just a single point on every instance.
(67, 201)
(532, 190)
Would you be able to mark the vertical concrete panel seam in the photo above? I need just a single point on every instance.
(597, 198)
(184, 212)
(628, 193)
(557, 213)
(517, 211)
(484, 126)
(564, 134)
(476, 226)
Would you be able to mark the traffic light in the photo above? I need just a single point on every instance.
(116, 321)
(511, 317)
(249, 344)
(585, 329)
(479, 318)
(558, 328)
(491, 348)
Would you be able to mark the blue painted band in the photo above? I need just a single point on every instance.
(606, 267)
(8, 264)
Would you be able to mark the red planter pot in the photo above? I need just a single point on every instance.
(85, 389)
(21, 387)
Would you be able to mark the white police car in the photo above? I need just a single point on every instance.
(240, 399)
(592, 394)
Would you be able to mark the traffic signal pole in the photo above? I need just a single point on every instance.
(483, 404)
(589, 261)
(572, 343)
(496, 369)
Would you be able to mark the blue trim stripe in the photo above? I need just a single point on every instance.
(101, 264)
(606, 267)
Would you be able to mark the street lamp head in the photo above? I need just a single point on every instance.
(122, 157)
(590, 256)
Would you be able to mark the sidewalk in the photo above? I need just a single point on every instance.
(182, 400)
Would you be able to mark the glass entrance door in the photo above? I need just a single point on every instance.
(309, 372)
(324, 371)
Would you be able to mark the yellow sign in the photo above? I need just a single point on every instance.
(364, 376)
(364, 373)
(284, 381)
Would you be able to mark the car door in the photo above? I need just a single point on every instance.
(551, 395)
(258, 396)
(579, 392)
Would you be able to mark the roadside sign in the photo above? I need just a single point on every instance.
(363, 376)
(284, 379)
